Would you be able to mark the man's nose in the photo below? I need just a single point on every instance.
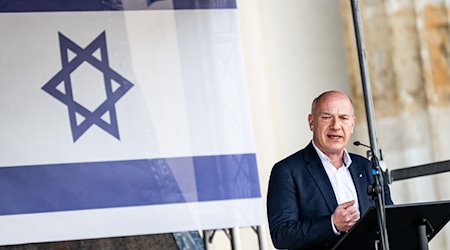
(335, 124)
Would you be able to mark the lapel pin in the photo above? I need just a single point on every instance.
(360, 175)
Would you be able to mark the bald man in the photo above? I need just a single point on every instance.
(320, 192)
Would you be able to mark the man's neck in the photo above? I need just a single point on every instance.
(336, 159)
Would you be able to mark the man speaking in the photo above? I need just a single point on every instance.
(318, 193)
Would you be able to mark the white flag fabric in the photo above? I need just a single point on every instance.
(123, 118)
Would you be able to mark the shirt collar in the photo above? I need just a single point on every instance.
(323, 157)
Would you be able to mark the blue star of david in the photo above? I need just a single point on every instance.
(74, 108)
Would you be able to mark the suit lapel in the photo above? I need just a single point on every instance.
(317, 171)
(360, 180)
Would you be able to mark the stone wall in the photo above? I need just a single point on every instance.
(408, 54)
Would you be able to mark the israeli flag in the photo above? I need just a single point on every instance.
(123, 118)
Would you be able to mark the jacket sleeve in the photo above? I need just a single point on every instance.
(283, 210)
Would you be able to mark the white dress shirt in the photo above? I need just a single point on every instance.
(340, 179)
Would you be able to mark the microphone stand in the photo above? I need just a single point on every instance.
(378, 186)
(376, 190)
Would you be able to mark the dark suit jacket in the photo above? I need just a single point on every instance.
(301, 200)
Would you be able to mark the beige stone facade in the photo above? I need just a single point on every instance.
(408, 55)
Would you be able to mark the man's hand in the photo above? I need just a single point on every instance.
(345, 216)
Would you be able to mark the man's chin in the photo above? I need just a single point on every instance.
(336, 148)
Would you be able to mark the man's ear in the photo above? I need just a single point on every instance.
(311, 122)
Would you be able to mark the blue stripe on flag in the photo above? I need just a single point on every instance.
(204, 4)
(74, 186)
(108, 5)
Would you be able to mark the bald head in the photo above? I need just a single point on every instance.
(324, 96)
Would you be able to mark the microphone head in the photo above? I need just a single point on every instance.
(356, 143)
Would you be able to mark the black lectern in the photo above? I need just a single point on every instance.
(409, 227)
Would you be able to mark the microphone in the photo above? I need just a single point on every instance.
(358, 143)
(370, 153)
